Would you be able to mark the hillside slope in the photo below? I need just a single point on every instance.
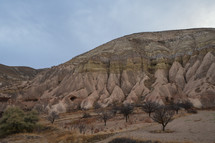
(13, 81)
(158, 66)
(9, 75)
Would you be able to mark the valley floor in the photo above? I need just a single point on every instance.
(186, 128)
(194, 128)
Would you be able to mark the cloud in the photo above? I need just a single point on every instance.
(45, 33)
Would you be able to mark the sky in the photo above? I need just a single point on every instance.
(45, 33)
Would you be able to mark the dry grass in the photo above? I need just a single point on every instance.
(138, 123)
(95, 138)
(160, 131)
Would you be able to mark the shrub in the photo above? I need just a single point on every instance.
(53, 116)
(86, 115)
(15, 120)
(186, 105)
(39, 108)
(96, 105)
(82, 127)
(193, 111)
(31, 120)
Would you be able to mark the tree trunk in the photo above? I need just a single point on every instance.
(105, 122)
(149, 114)
(163, 127)
(126, 118)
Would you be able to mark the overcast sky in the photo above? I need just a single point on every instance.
(44, 33)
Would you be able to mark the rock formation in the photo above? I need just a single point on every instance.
(159, 66)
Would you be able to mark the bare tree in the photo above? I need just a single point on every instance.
(82, 127)
(115, 108)
(163, 116)
(150, 107)
(105, 115)
(186, 105)
(126, 110)
(175, 107)
(53, 116)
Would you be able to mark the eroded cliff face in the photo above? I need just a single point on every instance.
(157, 66)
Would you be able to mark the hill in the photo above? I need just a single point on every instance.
(163, 66)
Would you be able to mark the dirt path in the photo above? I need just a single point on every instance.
(196, 128)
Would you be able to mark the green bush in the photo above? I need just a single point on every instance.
(15, 120)
(30, 119)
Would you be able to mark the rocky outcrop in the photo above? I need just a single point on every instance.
(176, 75)
(200, 87)
(192, 70)
(158, 66)
(89, 101)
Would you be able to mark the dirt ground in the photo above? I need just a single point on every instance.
(95, 125)
(195, 128)
(185, 128)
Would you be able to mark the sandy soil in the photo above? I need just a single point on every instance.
(196, 128)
